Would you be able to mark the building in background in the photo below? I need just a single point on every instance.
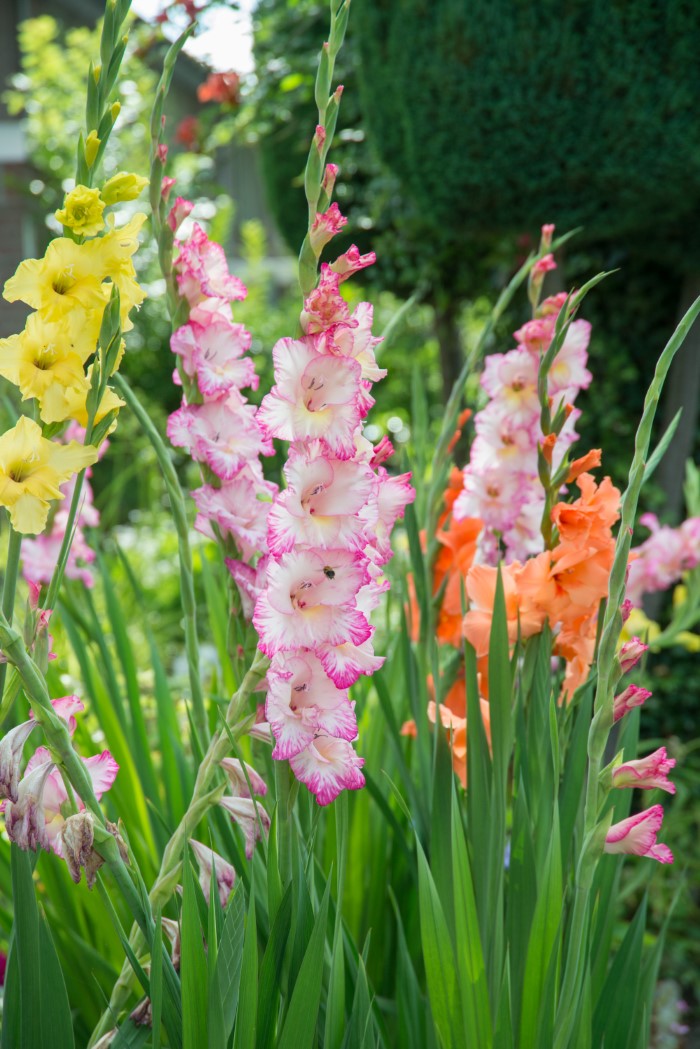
(237, 167)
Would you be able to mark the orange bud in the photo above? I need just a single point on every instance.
(548, 447)
(587, 462)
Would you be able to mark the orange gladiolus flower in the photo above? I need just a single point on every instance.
(453, 718)
(521, 615)
(455, 558)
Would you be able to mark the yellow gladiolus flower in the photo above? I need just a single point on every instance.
(43, 354)
(112, 260)
(31, 470)
(123, 186)
(62, 402)
(63, 279)
(82, 211)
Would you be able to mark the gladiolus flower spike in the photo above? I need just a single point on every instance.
(328, 532)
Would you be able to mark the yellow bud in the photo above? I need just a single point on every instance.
(92, 146)
(123, 186)
(115, 110)
(96, 73)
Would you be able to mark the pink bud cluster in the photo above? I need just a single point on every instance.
(36, 805)
(636, 836)
(215, 424)
(501, 479)
(40, 553)
(328, 532)
(663, 558)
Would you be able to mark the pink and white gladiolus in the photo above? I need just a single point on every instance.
(328, 533)
(649, 773)
(636, 836)
(216, 425)
(501, 486)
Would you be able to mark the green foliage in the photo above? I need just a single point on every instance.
(49, 91)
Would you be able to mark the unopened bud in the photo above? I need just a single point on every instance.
(115, 110)
(123, 186)
(92, 147)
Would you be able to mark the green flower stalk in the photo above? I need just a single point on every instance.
(608, 674)
(319, 179)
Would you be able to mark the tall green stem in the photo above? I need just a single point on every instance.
(9, 588)
(57, 577)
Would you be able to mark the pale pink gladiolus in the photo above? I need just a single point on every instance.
(223, 434)
(210, 862)
(649, 773)
(202, 271)
(315, 397)
(630, 653)
(547, 233)
(325, 305)
(633, 696)
(636, 836)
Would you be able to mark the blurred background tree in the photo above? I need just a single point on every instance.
(497, 115)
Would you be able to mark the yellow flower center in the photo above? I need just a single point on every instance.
(64, 281)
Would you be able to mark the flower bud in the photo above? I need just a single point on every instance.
(252, 818)
(636, 836)
(123, 186)
(325, 226)
(234, 769)
(210, 862)
(647, 773)
(92, 148)
(630, 653)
